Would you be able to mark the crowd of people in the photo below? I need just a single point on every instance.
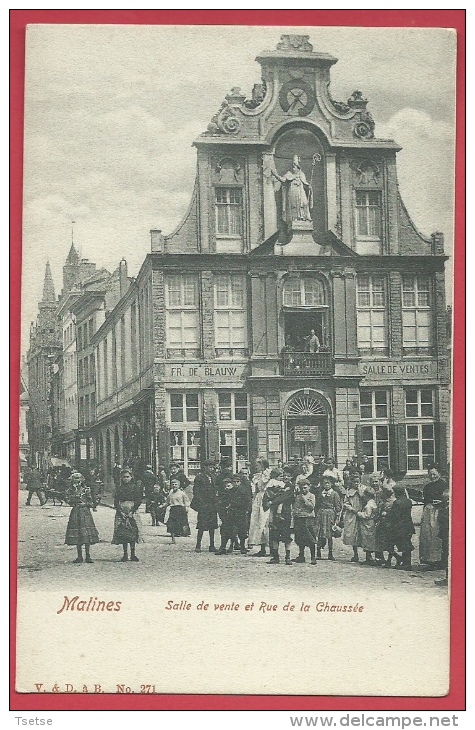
(312, 503)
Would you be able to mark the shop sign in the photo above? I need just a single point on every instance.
(398, 369)
(201, 372)
(306, 433)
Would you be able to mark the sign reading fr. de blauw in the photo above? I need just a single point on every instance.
(196, 372)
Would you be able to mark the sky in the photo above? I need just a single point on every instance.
(111, 113)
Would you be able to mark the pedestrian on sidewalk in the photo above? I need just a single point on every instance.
(81, 529)
(304, 522)
(259, 522)
(430, 544)
(367, 524)
(328, 509)
(127, 500)
(35, 485)
(204, 503)
(352, 505)
(401, 527)
(176, 515)
(278, 499)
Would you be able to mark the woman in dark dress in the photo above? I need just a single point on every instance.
(400, 527)
(127, 500)
(81, 529)
(204, 503)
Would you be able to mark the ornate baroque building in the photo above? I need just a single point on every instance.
(296, 309)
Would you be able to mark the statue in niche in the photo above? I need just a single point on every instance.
(297, 196)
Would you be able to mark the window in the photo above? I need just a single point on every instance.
(371, 314)
(86, 371)
(93, 406)
(91, 328)
(80, 374)
(375, 442)
(368, 214)
(416, 315)
(420, 446)
(228, 212)
(304, 292)
(184, 407)
(230, 314)
(92, 374)
(419, 403)
(233, 406)
(182, 315)
(185, 439)
(420, 440)
(133, 337)
(79, 338)
(234, 445)
(373, 404)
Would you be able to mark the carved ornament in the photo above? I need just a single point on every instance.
(366, 171)
(290, 42)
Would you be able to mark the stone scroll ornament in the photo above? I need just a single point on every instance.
(364, 127)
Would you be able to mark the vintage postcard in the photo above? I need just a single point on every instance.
(236, 375)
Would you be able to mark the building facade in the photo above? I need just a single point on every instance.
(296, 309)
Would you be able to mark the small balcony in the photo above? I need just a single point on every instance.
(314, 364)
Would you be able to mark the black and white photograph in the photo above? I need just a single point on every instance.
(236, 379)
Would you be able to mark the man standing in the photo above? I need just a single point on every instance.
(34, 484)
(204, 503)
(313, 343)
(148, 482)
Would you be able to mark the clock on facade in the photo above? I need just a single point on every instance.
(297, 97)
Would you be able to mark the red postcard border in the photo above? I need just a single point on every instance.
(455, 700)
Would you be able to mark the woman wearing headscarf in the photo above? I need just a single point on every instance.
(127, 500)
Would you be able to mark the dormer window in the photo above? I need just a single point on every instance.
(368, 214)
(228, 212)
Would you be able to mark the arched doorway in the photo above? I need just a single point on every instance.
(307, 425)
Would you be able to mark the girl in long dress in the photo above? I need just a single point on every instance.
(81, 529)
(367, 524)
(127, 500)
(177, 505)
(259, 524)
(329, 506)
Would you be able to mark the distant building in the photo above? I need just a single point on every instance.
(296, 309)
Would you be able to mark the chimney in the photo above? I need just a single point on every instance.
(157, 240)
(123, 278)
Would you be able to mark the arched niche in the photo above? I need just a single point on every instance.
(303, 141)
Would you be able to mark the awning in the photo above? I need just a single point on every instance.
(55, 461)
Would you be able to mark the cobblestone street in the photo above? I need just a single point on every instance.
(45, 562)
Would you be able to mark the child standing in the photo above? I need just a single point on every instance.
(81, 529)
(352, 505)
(127, 500)
(278, 499)
(329, 506)
(304, 522)
(367, 524)
(177, 511)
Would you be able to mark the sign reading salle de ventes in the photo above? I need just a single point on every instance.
(398, 369)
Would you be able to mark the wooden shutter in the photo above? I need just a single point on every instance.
(211, 441)
(163, 445)
(358, 440)
(401, 464)
(440, 442)
(393, 448)
(253, 443)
